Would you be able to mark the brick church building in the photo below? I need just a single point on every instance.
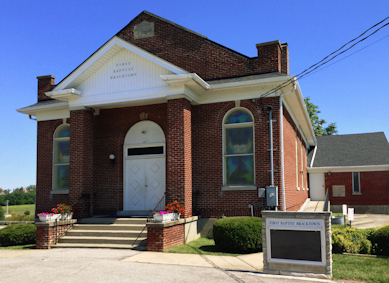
(162, 110)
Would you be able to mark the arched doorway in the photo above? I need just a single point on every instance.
(144, 167)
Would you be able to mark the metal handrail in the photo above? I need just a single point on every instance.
(150, 216)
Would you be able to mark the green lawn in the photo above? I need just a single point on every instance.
(368, 269)
(24, 247)
(20, 208)
(17, 212)
(202, 246)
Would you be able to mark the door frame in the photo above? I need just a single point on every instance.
(137, 138)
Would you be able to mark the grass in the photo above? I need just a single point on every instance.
(20, 208)
(368, 269)
(17, 212)
(23, 247)
(202, 246)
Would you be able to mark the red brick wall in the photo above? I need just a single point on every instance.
(81, 163)
(110, 129)
(195, 53)
(294, 198)
(179, 153)
(374, 188)
(159, 239)
(44, 201)
(45, 235)
(207, 120)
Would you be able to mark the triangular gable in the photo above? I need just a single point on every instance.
(111, 59)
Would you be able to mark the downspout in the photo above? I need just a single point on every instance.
(282, 144)
(30, 117)
(270, 109)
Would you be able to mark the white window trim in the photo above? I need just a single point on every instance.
(55, 191)
(225, 186)
(359, 182)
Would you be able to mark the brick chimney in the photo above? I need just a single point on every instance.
(269, 56)
(45, 84)
(284, 58)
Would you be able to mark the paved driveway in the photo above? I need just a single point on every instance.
(106, 265)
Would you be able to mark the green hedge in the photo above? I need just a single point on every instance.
(350, 240)
(380, 241)
(18, 234)
(238, 234)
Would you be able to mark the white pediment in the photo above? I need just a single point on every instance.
(118, 69)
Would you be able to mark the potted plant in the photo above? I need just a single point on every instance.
(65, 211)
(176, 208)
(170, 212)
(47, 216)
(163, 216)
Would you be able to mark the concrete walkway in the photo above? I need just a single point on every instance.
(251, 262)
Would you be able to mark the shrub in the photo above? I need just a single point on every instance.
(18, 234)
(238, 234)
(27, 212)
(351, 241)
(380, 241)
(2, 217)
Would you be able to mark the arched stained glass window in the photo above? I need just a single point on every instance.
(238, 148)
(61, 158)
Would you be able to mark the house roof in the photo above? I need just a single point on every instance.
(350, 150)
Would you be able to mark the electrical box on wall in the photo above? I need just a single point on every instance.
(261, 192)
(271, 196)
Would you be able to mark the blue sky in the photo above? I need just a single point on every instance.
(53, 37)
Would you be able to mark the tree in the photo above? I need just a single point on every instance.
(318, 123)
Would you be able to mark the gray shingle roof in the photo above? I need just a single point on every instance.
(351, 150)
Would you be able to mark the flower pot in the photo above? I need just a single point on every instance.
(65, 216)
(176, 216)
(164, 217)
(45, 218)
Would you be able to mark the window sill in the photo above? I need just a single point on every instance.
(239, 188)
(59, 192)
(357, 194)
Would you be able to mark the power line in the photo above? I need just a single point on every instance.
(321, 63)
(347, 56)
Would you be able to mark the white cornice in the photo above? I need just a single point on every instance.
(33, 110)
(64, 95)
(365, 168)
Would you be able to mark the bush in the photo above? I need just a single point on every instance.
(2, 217)
(27, 212)
(351, 241)
(18, 234)
(238, 234)
(380, 241)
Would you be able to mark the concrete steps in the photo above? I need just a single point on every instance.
(119, 233)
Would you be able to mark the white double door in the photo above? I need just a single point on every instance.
(145, 183)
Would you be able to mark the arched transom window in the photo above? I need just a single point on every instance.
(238, 148)
(61, 158)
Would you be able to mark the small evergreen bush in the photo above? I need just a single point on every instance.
(351, 241)
(238, 234)
(18, 234)
(380, 241)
